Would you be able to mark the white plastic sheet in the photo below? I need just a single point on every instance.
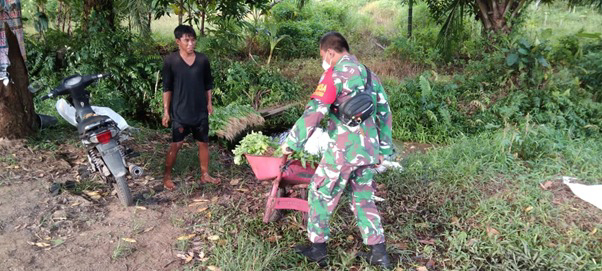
(589, 193)
(68, 113)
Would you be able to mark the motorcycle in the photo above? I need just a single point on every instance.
(100, 136)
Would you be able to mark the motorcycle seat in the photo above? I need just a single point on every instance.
(92, 122)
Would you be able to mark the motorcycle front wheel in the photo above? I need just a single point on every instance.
(123, 191)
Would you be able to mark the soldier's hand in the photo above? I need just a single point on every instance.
(165, 120)
(286, 150)
(210, 109)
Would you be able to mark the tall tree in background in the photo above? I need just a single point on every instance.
(140, 13)
(410, 15)
(10, 13)
(200, 12)
(496, 16)
(103, 8)
(17, 116)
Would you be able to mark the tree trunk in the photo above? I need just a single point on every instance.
(203, 23)
(103, 7)
(495, 15)
(66, 16)
(181, 15)
(59, 14)
(69, 24)
(150, 20)
(17, 116)
(410, 10)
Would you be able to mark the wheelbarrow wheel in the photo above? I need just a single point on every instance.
(277, 214)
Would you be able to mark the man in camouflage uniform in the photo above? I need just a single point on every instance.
(351, 152)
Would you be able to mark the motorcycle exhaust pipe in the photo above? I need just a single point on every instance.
(135, 171)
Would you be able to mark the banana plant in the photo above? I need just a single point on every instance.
(274, 40)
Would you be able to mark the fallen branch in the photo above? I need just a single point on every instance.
(275, 111)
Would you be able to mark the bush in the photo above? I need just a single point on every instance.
(424, 110)
(567, 51)
(305, 27)
(589, 71)
(249, 83)
(130, 91)
(431, 108)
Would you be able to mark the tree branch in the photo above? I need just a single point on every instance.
(507, 7)
(518, 9)
(274, 3)
(483, 14)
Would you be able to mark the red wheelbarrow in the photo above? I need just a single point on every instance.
(283, 173)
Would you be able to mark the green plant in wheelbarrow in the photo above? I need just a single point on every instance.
(256, 143)
(268, 163)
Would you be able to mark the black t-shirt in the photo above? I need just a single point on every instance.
(189, 86)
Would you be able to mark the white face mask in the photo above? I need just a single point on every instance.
(325, 65)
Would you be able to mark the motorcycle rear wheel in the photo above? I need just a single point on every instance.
(123, 191)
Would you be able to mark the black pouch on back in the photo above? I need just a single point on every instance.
(358, 108)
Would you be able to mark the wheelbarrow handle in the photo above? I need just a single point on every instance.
(283, 162)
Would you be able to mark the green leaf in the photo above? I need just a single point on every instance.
(511, 59)
(547, 33)
(425, 86)
(589, 35)
(524, 43)
(523, 51)
(543, 61)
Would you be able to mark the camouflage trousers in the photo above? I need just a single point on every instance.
(326, 187)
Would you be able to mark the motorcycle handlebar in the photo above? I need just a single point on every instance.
(103, 75)
(47, 96)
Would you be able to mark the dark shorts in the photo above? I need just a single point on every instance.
(199, 133)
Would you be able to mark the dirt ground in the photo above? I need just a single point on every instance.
(86, 228)
(42, 231)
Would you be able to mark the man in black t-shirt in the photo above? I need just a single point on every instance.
(187, 84)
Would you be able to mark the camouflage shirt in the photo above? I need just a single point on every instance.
(359, 145)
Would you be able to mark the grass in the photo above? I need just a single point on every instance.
(122, 250)
(163, 29)
(50, 138)
(475, 204)
(561, 20)
(472, 205)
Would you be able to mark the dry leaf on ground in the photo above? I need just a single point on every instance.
(546, 185)
(186, 237)
(235, 181)
(202, 209)
(491, 231)
(39, 244)
(149, 229)
(428, 242)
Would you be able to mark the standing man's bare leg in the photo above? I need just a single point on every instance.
(204, 161)
(172, 154)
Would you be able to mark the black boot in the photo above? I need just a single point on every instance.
(315, 252)
(377, 256)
